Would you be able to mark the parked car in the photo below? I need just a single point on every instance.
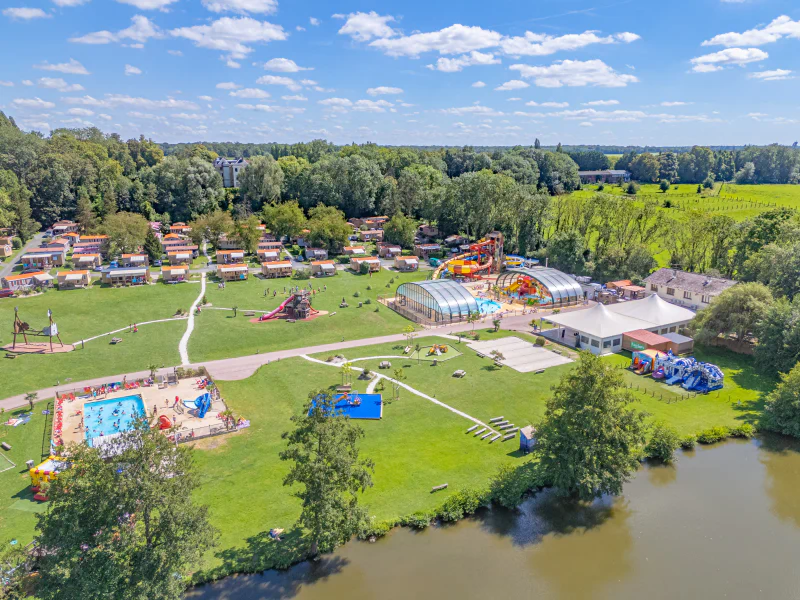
(4, 293)
(157, 263)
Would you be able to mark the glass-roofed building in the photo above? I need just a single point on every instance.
(435, 300)
(552, 287)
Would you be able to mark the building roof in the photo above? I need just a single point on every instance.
(23, 276)
(408, 258)
(82, 256)
(560, 286)
(98, 236)
(677, 338)
(127, 271)
(608, 321)
(134, 254)
(690, 282)
(230, 251)
(606, 172)
(278, 263)
(443, 295)
(647, 337)
(235, 267)
(73, 272)
(620, 283)
(322, 262)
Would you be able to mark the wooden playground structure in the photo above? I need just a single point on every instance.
(21, 328)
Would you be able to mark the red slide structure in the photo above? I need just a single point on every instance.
(277, 311)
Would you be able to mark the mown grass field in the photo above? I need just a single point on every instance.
(85, 313)
(218, 334)
(416, 445)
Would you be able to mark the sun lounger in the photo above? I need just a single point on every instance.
(480, 431)
(506, 426)
(496, 419)
(485, 435)
(497, 435)
(508, 437)
(471, 429)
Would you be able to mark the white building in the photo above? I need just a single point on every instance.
(600, 328)
(692, 290)
(230, 169)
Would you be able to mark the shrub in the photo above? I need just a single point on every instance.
(667, 204)
(391, 280)
(368, 301)
(632, 189)
(16, 243)
(372, 528)
(663, 442)
(464, 502)
(708, 183)
(664, 185)
(418, 520)
(343, 260)
(600, 187)
(688, 442)
(302, 274)
(357, 294)
(508, 487)
(744, 430)
(364, 269)
(713, 435)
(540, 341)
(369, 287)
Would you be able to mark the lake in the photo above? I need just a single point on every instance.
(724, 522)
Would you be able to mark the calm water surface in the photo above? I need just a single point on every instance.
(723, 523)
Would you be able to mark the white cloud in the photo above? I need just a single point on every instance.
(279, 80)
(131, 70)
(284, 65)
(601, 103)
(25, 14)
(105, 117)
(478, 84)
(32, 103)
(537, 44)
(189, 116)
(56, 83)
(363, 27)
(232, 64)
(80, 112)
(73, 67)
(513, 99)
(27, 82)
(456, 39)
(67, 3)
(206, 98)
(264, 7)
(299, 28)
(232, 34)
(372, 105)
(38, 125)
(149, 4)
(575, 73)
(141, 30)
(474, 58)
(250, 93)
(781, 27)
(730, 56)
(548, 104)
(475, 109)
(6, 83)
(514, 84)
(296, 98)
(175, 52)
(676, 103)
(384, 90)
(291, 110)
(587, 124)
(314, 21)
(774, 75)
(113, 100)
(228, 85)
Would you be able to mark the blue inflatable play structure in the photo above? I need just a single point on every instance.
(687, 372)
(202, 404)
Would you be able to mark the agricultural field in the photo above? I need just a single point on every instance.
(415, 446)
(218, 334)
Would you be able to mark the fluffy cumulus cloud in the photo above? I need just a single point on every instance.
(345, 104)
(475, 109)
(69, 3)
(514, 84)
(250, 93)
(284, 65)
(384, 90)
(479, 84)
(574, 73)
(131, 70)
(548, 104)
(80, 112)
(32, 103)
(232, 35)
(454, 65)
(6, 83)
(281, 80)
(141, 30)
(671, 103)
(149, 4)
(716, 61)
(228, 85)
(295, 98)
(73, 67)
(56, 83)
(363, 27)
(774, 75)
(264, 7)
(537, 44)
(601, 103)
(25, 14)
(782, 27)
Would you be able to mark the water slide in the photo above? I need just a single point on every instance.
(275, 312)
(202, 404)
(438, 272)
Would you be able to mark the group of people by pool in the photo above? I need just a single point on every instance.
(117, 414)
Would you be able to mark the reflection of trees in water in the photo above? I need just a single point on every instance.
(781, 459)
(579, 546)
(660, 475)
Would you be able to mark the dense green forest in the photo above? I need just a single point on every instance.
(107, 183)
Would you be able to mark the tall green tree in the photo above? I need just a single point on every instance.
(126, 232)
(248, 234)
(782, 409)
(211, 227)
(152, 247)
(285, 219)
(327, 228)
(260, 182)
(322, 451)
(123, 524)
(400, 230)
(736, 311)
(591, 438)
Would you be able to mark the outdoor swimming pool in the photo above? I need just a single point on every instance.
(488, 307)
(100, 417)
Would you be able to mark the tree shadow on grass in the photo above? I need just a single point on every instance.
(262, 555)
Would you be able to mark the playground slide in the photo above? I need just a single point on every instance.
(673, 380)
(689, 384)
(275, 312)
(513, 287)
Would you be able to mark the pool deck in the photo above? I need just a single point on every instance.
(156, 403)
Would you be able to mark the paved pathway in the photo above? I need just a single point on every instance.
(183, 346)
(8, 266)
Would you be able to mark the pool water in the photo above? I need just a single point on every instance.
(488, 307)
(100, 417)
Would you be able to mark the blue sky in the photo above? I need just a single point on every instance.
(575, 71)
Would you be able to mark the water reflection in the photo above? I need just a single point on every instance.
(713, 526)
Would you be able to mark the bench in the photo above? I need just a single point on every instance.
(438, 488)
(249, 313)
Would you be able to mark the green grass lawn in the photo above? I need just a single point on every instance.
(219, 335)
(84, 313)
